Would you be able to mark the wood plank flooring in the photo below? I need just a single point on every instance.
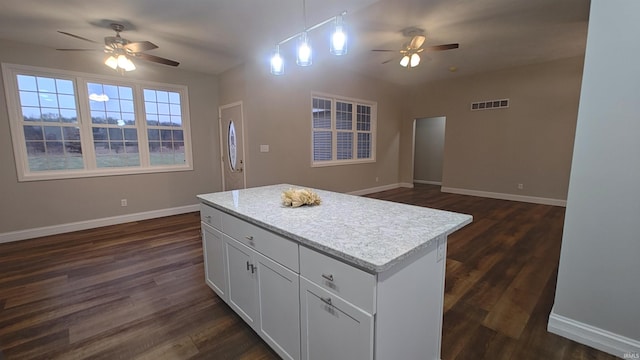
(137, 291)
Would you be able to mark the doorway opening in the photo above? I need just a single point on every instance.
(428, 150)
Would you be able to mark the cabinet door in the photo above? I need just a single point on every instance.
(278, 291)
(333, 329)
(215, 270)
(241, 276)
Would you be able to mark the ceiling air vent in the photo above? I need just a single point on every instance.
(490, 104)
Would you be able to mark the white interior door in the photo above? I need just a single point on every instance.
(232, 143)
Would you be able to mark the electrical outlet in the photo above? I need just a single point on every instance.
(520, 186)
(123, 202)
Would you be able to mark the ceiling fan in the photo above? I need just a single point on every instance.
(121, 49)
(410, 50)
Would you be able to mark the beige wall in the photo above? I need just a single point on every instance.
(531, 142)
(277, 114)
(27, 205)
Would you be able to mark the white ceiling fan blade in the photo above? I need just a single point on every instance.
(417, 41)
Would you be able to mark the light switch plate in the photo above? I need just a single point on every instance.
(264, 148)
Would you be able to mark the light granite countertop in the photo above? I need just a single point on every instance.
(371, 234)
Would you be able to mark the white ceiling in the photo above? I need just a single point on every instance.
(213, 36)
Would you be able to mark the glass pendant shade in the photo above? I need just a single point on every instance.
(339, 38)
(404, 61)
(415, 60)
(277, 63)
(111, 62)
(304, 57)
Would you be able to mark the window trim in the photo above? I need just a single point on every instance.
(10, 72)
(334, 131)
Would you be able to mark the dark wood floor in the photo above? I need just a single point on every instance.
(137, 291)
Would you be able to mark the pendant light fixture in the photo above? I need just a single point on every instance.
(338, 38)
(304, 52)
(277, 64)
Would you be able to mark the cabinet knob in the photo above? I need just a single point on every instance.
(249, 237)
(329, 277)
(208, 217)
(326, 300)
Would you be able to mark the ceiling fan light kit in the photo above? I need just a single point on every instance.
(304, 52)
(411, 50)
(120, 50)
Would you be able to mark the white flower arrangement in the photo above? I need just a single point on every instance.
(299, 197)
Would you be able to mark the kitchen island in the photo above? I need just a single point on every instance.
(352, 278)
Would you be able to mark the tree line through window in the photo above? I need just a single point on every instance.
(65, 124)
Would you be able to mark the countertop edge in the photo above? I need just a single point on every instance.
(351, 260)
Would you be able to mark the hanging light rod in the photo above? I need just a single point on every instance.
(338, 44)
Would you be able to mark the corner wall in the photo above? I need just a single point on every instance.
(598, 288)
(51, 203)
(491, 151)
(276, 113)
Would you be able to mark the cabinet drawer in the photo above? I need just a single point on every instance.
(265, 242)
(211, 216)
(354, 285)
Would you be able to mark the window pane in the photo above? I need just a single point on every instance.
(175, 109)
(53, 133)
(67, 101)
(149, 95)
(29, 98)
(321, 113)
(344, 115)
(50, 115)
(46, 84)
(322, 145)
(125, 93)
(68, 116)
(162, 96)
(364, 145)
(31, 114)
(111, 91)
(344, 143)
(65, 86)
(33, 133)
(71, 133)
(26, 82)
(364, 118)
(48, 100)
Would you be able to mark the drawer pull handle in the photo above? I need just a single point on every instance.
(249, 237)
(326, 301)
(253, 269)
(208, 217)
(328, 277)
(248, 265)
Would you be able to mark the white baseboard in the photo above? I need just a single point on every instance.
(594, 337)
(427, 182)
(380, 188)
(504, 196)
(90, 224)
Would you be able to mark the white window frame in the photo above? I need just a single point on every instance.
(334, 144)
(80, 80)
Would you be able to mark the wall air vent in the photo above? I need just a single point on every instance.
(490, 104)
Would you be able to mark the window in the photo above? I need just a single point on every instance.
(67, 125)
(343, 130)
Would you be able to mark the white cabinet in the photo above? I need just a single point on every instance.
(333, 329)
(311, 306)
(265, 294)
(243, 295)
(278, 291)
(215, 268)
